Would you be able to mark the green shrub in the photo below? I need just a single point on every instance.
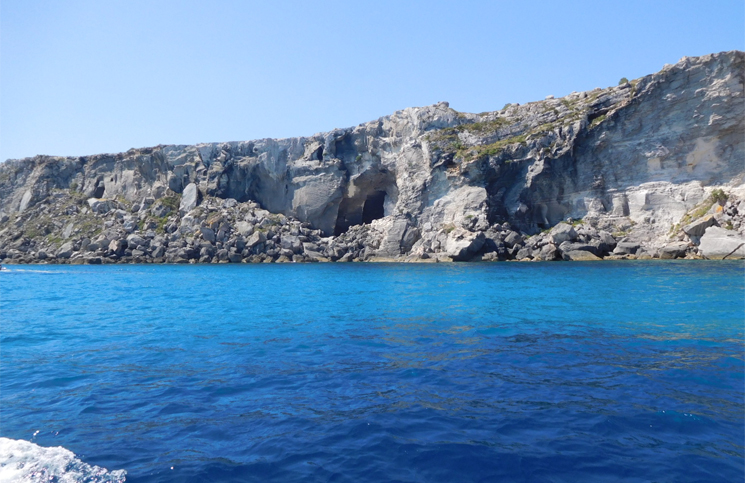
(171, 202)
(623, 81)
(597, 121)
(719, 196)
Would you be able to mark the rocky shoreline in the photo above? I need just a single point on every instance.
(226, 231)
(651, 168)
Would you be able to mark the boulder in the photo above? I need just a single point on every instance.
(189, 198)
(100, 206)
(292, 243)
(65, 251)
(626, 248)
(606, 242)
(390, 246)
(561, 233)
(579, 256)
(134, 241)
(513, 238)
(410, 237)
(255, 239)
(208, 234)
(117, 246)
(674, 250)
(548, 252)
(718, 243)
(159, 252)
(462, 244)
(244, 228)
(575, 247)
(130, 225)
(160, 210)
(68, 230)
(698, 227)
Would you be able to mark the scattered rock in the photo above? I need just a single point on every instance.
(563, 232)
(718, 243)
(189, 198)
(579, 256)
(673, 250)
(462, 244)
(65, 250)
(698, 227)
(400, 188)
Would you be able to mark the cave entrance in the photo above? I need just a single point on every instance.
(100, 190)
(357, 211)
(373, 207)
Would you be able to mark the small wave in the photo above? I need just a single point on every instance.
(22, 461)
(26, 270)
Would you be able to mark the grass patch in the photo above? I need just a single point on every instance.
(56, 240)
(161, 225)
(483, 127)
(171, 202)
(719, 196)
(595, 122)
(31, 232)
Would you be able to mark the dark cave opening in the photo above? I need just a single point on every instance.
(318, 154)
(100, 189)
(355, 211)
(373, 208)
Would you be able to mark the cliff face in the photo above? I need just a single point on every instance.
(427, 182)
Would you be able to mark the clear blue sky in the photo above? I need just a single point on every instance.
(86, 77)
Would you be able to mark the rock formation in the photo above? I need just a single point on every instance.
(654, 167)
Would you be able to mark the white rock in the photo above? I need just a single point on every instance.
(189, 198)
(718, 243)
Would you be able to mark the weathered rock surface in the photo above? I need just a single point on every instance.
(189, 198)
(613, 172)
(718, 243)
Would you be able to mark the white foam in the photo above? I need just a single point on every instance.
(22, 461)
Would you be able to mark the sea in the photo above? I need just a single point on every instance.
(629, 371)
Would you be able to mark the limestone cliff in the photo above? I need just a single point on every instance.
(628, 165)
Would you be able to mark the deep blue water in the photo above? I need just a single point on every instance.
(628, 371)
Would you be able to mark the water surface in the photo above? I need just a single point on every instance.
(628, 371)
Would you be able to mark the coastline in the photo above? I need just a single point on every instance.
(592, 175)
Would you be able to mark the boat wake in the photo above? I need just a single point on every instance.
(24, 270)
(23, 461)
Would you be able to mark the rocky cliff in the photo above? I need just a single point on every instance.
(654, 167)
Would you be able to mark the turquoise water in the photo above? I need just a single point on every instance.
(628, 371)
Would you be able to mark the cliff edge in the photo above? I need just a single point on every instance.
(654, 167)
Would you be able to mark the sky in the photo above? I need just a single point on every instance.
(82, 77)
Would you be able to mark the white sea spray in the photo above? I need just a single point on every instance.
(23, 461)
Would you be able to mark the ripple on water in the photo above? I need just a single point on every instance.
(537, 372)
